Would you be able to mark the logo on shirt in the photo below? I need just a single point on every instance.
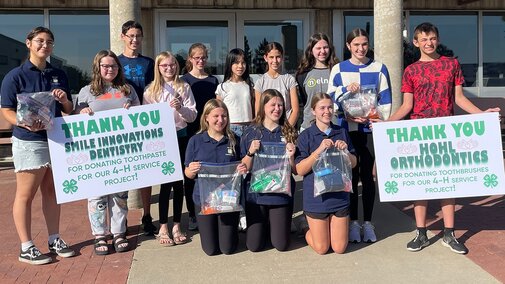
(230, 151)
(109, 96)
(312, 82)
(130, 71)
(55, 81)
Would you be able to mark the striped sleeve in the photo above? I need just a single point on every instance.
(384, 89)
(335, 85)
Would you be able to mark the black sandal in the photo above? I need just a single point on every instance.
(117, 243)
(100, 243)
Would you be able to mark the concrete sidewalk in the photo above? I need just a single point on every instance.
(383, 262)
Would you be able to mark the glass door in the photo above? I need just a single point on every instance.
(255, 30)
(178, 31)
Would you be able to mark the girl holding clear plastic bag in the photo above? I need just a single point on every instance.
(30, 151)
(214, 143)
(327, 214)
(203, 85)
(353, 76)
(275, 209)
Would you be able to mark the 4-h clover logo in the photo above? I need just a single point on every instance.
(490, 180)
(391, 187)
(70, 186)
(168, 168)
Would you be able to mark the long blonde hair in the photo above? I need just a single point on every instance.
(155, 88)
(97, 85)
(204, 126)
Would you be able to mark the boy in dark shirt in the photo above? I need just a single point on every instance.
(139, 72)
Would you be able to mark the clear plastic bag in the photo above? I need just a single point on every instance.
(220, 188)
(361, 104)
(271, 171)
(332, 172)
(383, 111)
(36, 106)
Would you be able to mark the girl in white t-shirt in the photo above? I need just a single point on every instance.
(274, 78)
(236, 90)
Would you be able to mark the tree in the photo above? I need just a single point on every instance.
(258, 61)
(248, 53)
(411, 53)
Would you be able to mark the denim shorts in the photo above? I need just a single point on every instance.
(29, 155)
(321, 216)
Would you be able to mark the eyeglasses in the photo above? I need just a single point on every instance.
(132, 37)
(202, 58)
(107, 66)
(40, 42)
(173, 66)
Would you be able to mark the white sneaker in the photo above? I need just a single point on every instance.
(369, 232)
(242, 224)
(354, 232)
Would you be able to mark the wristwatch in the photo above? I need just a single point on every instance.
(249, 154)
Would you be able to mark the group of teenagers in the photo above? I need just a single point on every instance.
(229, 122)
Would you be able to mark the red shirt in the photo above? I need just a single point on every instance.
(433, 84)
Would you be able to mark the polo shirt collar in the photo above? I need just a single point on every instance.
(207, 139)
(314, 130)
(275, 130)
(28, 65)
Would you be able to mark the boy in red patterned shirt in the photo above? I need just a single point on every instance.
(430, 88)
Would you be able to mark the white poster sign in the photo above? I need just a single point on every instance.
(113, 151)
(446, 157)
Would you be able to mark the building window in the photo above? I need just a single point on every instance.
(493, 45)
(222, 30)
(180, 35)
(450, 25)
(257, 34)
(79, 35)
(362, 20)
(4, 60)
(14, 26)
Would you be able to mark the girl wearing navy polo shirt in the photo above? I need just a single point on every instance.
(30, 150)
(214, 143)
(327, 214)
(203, 85)
(270, 125)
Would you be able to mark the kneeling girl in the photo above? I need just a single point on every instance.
(327, 214)
(214, 143)
(270, 125)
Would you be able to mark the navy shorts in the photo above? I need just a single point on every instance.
(321, 216)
